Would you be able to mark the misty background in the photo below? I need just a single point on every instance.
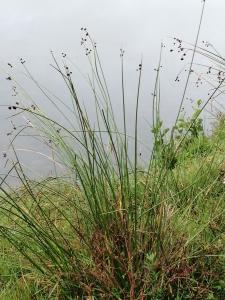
(31, 29)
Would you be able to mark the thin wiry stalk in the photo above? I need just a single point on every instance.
(124, 126)
(135, 148)
(191, 64)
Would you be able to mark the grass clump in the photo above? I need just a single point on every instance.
(114, 230)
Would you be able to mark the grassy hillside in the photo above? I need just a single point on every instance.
(177, 252)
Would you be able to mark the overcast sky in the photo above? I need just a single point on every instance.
(30, 28)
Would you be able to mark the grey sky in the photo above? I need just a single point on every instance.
(30, 28)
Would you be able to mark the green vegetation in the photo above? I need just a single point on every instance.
(111, 229)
